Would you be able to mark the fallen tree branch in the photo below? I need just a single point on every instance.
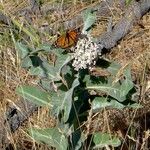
(102, 9)
(132, 15)
(15, 115)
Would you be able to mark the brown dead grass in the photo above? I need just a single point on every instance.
(134, 50)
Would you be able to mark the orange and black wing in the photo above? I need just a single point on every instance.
(67, 40)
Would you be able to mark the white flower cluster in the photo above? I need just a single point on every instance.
(85, 54)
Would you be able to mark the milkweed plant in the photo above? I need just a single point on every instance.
(66, 90)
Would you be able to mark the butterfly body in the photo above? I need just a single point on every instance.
(67, 40)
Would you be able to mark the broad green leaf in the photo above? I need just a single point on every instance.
(102, 102)
(125, 87)
(62, 68)
(37, 71)
(53, 137)
(42, 68)
(77, 139)
(114, 68)
(111, 90)
(104, 139)
(53, 72)
(57, 101)
(117, 90)
(44, 47)
(46, 84)
(66, 73)
(26, 62)
(47, 70)
(127, 83)
(58, 51)
(23, 49)
(89, 18)
(34, 95)
(67, 102)
(127, 73)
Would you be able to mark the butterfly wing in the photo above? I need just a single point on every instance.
(72, 37)
(67, 40)
(61, 41)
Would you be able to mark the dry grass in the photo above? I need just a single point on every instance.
(134, 50)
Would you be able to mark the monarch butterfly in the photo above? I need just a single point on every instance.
(67, 40)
